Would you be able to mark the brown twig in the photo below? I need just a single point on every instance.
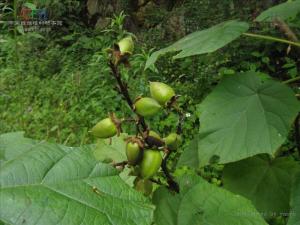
(121, 85)
(124, 91)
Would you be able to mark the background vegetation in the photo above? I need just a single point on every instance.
(56, 85)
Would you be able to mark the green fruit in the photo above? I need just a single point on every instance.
(143, 185)
(216, 181)
(150, 164)
(133, 152)
(126, 45)
(173, 141)
(105, 129)
(153, 139)
(154, 134)
(219, 168)
(146, 106)
(161, 92)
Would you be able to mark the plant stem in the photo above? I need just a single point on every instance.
(270, 38)
(291, 80)
(172, 105)
(122, 86)
(181, 118)
(172, 184)
(125, 93)
(122, 164)
(297, 132)
(156, 181)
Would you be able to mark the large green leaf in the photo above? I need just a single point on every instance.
(295, 203)
(266, 182)
(244, 115)
(284, 11)
(204, 41)
(53, 184)
(201, 203)
(111, 150)
(14, 144)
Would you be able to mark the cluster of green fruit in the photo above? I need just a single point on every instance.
(139, 153)
(144, 151)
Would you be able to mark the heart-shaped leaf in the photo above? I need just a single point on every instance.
(244, 115)
(201, 203)
(51, 184)
(266, 182)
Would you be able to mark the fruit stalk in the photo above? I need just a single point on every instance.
(181, 118)
(171, 182)
(125, 93)
(297, 132)
(120, 164)
(156, 181)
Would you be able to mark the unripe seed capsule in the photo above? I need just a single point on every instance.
(151, 163)
(173, 141)
(154, 134)
(126, 45)
(106, 128)
(161, 92)
(146, 106)
(133, 152)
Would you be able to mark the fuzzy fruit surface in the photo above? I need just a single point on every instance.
(161, 92)
(151, 163)
(144, 185)
(126, 45)
(173, 141)
(133, 153)
(104, 129)
(146, 106)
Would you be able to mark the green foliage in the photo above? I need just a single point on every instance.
(285, 11)
(111, 150)
(295, 202)
(57, 85)
(254, 177)
(243, 109)
(17, 142)
(58, 89)
(204, 41)
(202, 203)
(53, 184)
